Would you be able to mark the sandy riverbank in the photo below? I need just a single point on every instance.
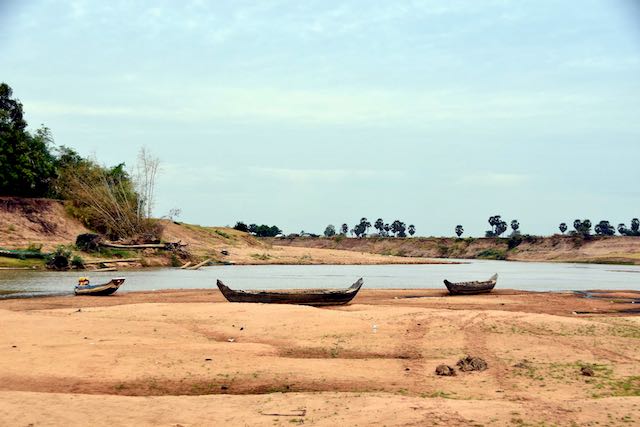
(189, 358)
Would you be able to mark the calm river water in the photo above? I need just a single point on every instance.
(514, 275)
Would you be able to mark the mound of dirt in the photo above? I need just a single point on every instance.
(25, 222)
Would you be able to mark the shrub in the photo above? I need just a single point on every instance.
(59, 258)
(496, 254)
(77, 262)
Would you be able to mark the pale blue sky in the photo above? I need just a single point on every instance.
(302, 114)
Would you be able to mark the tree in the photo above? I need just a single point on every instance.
(498, 226)
(459, 230)
(264, 230)
(562, 227)
(412, 229)
(633, 231)
(361, 228)
(603, 228)
(27, 163)
(344, 229)
(515, 225)
(241, 226)
(387, 229)
(379, 225)
(330, 231)
(582, 227)
(398, 228)
(145, 181)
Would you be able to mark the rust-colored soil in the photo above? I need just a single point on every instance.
(190, 358)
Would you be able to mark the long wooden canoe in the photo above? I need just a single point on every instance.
(470, 288)
(315, 297)
(99, 290)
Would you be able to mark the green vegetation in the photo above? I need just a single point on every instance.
(496, 254)
(105, 199)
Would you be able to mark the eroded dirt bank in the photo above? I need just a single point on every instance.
(596, 249)
(189, 358)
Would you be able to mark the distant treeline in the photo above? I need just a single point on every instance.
(580, 227)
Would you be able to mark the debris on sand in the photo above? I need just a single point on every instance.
(445, 371)
(471, 363)
(523, 364)
(587, 371)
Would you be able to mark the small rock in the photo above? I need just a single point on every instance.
(471, 363)
(14, 346)
(208, 359)
(231, 339)
(79, 310)
(242, 328)
(445, 371)
(407, 369)
(224, 387)
(587, 371)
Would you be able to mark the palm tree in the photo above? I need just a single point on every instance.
(379, 225)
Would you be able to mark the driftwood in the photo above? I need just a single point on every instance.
(167, 246)
(107, 261)
(106, 269)
(197, 266)
(186, 265)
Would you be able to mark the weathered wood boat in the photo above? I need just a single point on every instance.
(103, 289)
(315, 297)
(470, 288)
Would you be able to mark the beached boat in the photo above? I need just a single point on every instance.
(103, 289)
(470, 288)
(316, 297)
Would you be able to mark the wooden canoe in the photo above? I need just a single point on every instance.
(315, 297)
(99, 290)
(470, 288)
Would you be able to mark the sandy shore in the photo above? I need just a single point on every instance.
(189, 358)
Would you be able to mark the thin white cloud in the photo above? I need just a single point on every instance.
(330, 175)
(494, 179)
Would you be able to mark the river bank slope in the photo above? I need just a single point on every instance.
(45, 224)
(557, 248)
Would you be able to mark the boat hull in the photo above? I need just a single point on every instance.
(99, 290)
(471, 288)
(313, 297)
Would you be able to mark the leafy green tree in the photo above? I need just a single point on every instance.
(344, 229)
(582, 227)
(361, 228)
(387, 229)
(398, 228)
(27, 163)
(379, 225)
(498, 226)
(411, 229)
(633, 231)
(603, 228)
(563, 227)
(515, 225)
(330, 231)
(241, 226)
(459, 230)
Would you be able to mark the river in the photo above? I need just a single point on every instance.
(528, 276)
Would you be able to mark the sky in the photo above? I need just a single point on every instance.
(303, 114)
